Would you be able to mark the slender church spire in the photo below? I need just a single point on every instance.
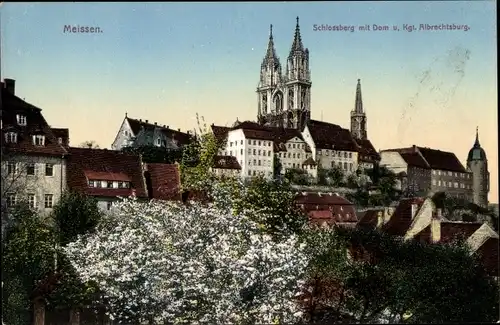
(297, 45)
(476, 143)
(358, 108)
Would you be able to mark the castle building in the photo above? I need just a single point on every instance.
(477, 164)
(284, 130)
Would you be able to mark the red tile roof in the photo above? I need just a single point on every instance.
(104, 162)
(401, 219)
(35, 124)
(442, 160)
(109, 176)
(367, 151)
(325, 207)
(138, 125)
(414, 159)
(226, 162)
(331, 136)
(62, 134)
(369, 219)
(321, 199)
(164, 181)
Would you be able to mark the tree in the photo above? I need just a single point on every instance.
(90, 144)
(335, 176)
(277, 167)
(298, 176)
(427, 282)
(27, 258)
(168, 262)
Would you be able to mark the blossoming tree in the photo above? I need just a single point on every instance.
(165, 262)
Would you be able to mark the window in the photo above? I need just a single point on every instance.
(455, 185)
(231, 152)
(158, 141)
(269, 153)
(249, 173)
(294, 155)
(11, 199)
(439, 183)
(91, 183)
(333, 164)
(350, 154)
(345, 154)
(49, 201)
(254, 152)
(249, 151)
(109, 205)
(255, 162)
(11, 137)
(433, 182)
(298, 155)
(49, 170)
(450, 173)
(21, 120)
(254, 142)
(30, 169)
(231, 143)
(241, 142)
(109, 184)
(259, 153)
(39, 140)
(97, 184)
(345, 166)
(254, 173)
(259, 162)
(326, 152)
(241, 151)
(11, 168)
(293, 146)
(59, 140)
(249, 141)
(350, 167)
(32, 201)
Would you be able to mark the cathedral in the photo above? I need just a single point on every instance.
(285, 98)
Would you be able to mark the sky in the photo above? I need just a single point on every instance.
(166, 62)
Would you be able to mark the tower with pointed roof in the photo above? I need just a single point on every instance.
(477, 163)
(358, 116)
(284, 100)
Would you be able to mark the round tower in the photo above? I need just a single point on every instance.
(477, 163)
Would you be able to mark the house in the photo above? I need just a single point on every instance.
(428, 171)
(226, 166)
(327, 209)
(33, 157)
(135, 132)
(418, 219)
(163, 181)
(106, 175)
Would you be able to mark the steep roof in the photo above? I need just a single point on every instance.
(138, 125)
(109, 164)
(367, 151)
(35, 125)
(369, 219)
(414, 159)
(163, 181)
(331, 136)
(442, 160)
(62, 134)
(226, 162)
(220, 132)
(401, 219)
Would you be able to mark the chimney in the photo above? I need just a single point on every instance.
(414, 208)
(168, 127)
(319, 194)
(414, 147)
(178, 130)
(439, 213)
(140, 120)
(164, 126)
(188, 132)
(147, 121)
(435, 230)
(10, 85)
(156, 123)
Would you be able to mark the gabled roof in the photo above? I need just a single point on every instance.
(220, 132)
(450, 231)
(163, 181)
(367, 150)
(226, 162)
(84, 161)
(369, 219)
(414, 159)
(316, 198)
(309, 162)
(138, 125)
(401, 219)
(35, 124)
(331, 136)
(442, 160)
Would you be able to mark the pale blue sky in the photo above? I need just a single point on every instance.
(168, 61)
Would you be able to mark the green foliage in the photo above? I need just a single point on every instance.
(198, 158)
(75, 214)
(153, 154)
(298, 176)
(417, 283)
(270, 203)
(277, 167)
(331, 177)
(27, 257)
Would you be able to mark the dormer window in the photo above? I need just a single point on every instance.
(11, 137)
(21, 119)
(39, 140)
(60, 140)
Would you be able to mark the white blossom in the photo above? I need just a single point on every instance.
(191, 264)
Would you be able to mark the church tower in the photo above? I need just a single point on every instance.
(358, 116)
(298, 83)
(477, 163)
(269, 90)
(285, 100)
